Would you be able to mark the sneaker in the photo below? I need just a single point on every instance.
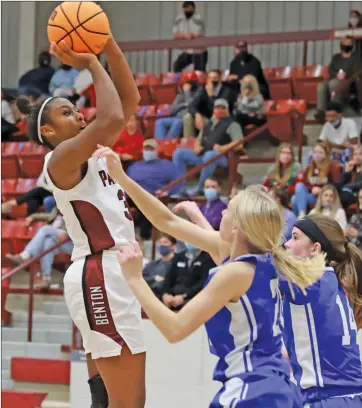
(16, 259)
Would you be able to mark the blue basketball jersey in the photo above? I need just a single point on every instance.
(320, 335)
(246, 337)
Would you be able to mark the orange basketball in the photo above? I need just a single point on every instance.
(82, 25)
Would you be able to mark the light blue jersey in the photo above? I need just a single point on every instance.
(320, 335)
(246, 337)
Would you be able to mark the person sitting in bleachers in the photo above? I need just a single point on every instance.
(155, 271)
(354, 22)
(342, 66)
(282, 174)
(185, 277)
(129, 145)
(351, 179)
(152, 174)
(213, 207)
(170, 127)
(46, 237)
(354, 228)
(309, 182)
(339, 133)
(218, 135)
(329, 204)
(249, 107)
(34, 198)
(282, 197)
(63, 80)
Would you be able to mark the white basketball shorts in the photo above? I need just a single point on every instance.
(102, 306)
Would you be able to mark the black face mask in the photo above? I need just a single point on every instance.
(66, 67)
(215, 83)
(346, 48)
(188, 14)
(243, 55)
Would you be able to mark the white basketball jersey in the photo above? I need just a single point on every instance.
(95, 211)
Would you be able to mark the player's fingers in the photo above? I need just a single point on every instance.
(65, 48)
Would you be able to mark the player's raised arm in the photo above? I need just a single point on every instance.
(122, 78)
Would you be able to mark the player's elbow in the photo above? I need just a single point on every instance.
(175, 336)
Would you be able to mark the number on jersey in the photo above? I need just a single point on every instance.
(127, 211)
(348, 322)
(274, 287)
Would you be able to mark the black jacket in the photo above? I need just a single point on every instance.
(352, 181)
(184, 278)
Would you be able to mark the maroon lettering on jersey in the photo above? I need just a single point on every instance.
(93, 225)
(96, 303)
(106, 178)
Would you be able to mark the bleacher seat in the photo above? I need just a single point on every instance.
(8, 188)
(280, 84)
(305, 82)
(145, 95)
(147, 79)
(24, 185)
(166, 147)
(163, 94)
(170, 77)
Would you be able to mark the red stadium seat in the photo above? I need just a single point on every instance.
(281, 83)
(162, 94)
(166, 147)
(170, 78)
(14, 232)
(187, 143)
(145, 95)
(11, 148)
(149, 124)
(24, 185)
(9, 160)
(305, 82)
(8, 188)
(147, 79)
(31, 166)
(90, 92)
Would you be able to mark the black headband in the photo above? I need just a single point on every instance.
(312, 231)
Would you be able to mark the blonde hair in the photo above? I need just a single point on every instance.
(258, 217)
(347, 263)
(336, 202)
(278, 173)
(254, 84)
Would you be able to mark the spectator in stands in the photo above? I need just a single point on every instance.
(329, 204)
(213, 207)
(152, 174)
(202, 106)
(342, 66)
(171, 127)
(154, 273)
(189, 26)
(283, 173)
(355, 21)
(186, 276)
(282, 197)
(129, 145)
(34, 198)
(46, 237)
(49, 203)
(351, 179)
(63, 80)
(8, 127)
(245, 63)
(338, 133)
(82, 82)
(39, 77)
(250, 108)
(354, 227)
(220, 133)
(320, 171)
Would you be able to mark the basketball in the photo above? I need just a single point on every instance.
(82, 25)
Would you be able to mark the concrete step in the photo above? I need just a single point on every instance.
(7, 384)
(55, 308)
(42, 321)
(5, 363)
(57, 336)
(5, 374)
(33, 350)
(55, 404)
(56, 392)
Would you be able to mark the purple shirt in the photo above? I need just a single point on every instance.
(212, 212)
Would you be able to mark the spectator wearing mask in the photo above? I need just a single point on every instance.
(63, 81)
(155, 271)
(220, 133)
(282, 197)
(45, 238)
(129, 145)
(39, 77)
(213, 207)
(354, 228)
(186, 276)
(189, 26)
(245, 63)
(8, 127)
(329, 204)
(339, 133)
(152, 174)
(355, 21)
(34, 198)
(283, 173)
(342, 66)
(202, 106)
(171, 127)
(351, 179)
(250, 108)
(320, 171)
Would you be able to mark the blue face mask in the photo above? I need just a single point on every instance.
(191, 248)
(149, 155)
(336, 123)
(164, 250)
(327, 206)
(210, 194)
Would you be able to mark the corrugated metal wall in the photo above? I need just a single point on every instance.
(136, 20)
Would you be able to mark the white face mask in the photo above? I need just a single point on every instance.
(353, 21)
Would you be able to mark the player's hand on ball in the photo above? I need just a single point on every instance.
(113, 160)
(69, 57)
(130, 258)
